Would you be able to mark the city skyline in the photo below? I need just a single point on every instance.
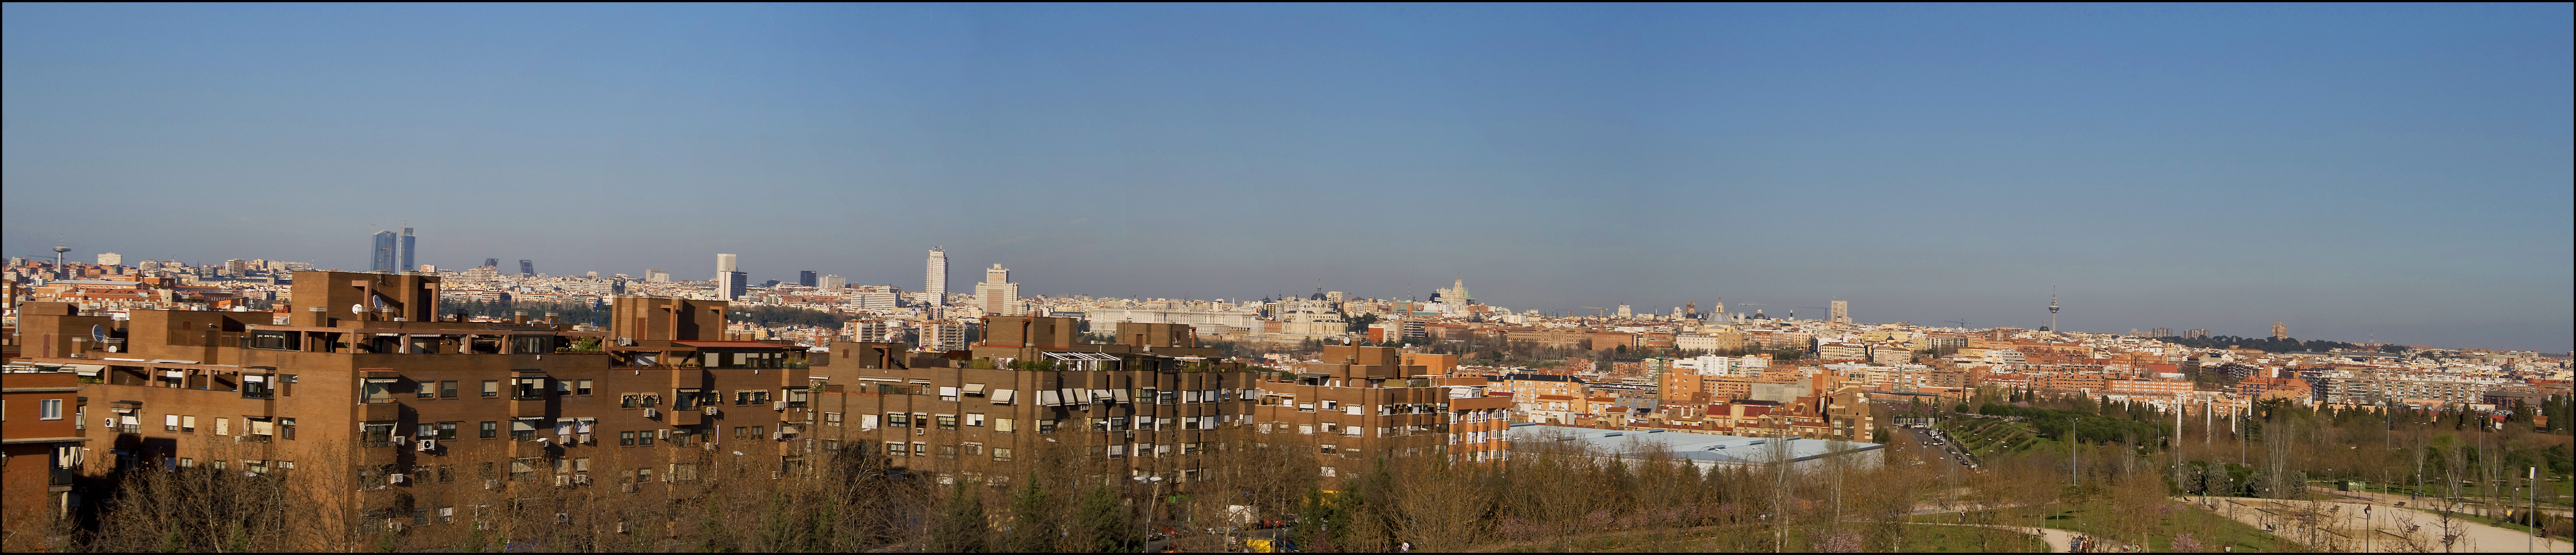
(2352, 182)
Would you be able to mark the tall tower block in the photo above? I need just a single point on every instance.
(934, 277)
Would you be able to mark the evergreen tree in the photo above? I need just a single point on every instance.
(1033, 520)
(1100, 523)
(960, 527)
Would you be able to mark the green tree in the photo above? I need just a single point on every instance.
(1033, 520)
(960, 526)
(1100, 523)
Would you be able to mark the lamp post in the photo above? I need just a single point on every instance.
(2367, 527)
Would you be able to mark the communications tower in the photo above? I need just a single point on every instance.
(2052, 311)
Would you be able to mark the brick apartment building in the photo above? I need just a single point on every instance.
(429, 421)
(1361, 403)
(40, 447)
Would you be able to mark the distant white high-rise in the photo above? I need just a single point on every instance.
(1625, 312)
(656, 275)
(935, 277)
(729, 279)
(110, 259)
(998, 294)
(830, 282)
(1839, 312)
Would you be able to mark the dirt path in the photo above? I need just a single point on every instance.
(2390, 529)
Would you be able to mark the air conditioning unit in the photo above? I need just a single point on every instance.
(563, 479)
(662, 434)
(712, 411)
(396, 478)
(650, 412)
(428, 445)
(399, 440)
(778, 405)
(586, 439)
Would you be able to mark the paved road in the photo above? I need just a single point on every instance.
(1946, 453)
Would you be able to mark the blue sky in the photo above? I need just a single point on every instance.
(2400, 172)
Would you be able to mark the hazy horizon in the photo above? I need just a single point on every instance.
(2397, 172)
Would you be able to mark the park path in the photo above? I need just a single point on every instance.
(2388, 529)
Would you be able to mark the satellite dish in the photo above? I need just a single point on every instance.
(97, 335)
(359, 309)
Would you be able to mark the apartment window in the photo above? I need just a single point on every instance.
(530, 388)
(896, 448)
(1046, 425)
(1117, 423)
(947, 421)
(524, 429)
(491, 388)
(255, 386)
(630, 400)
(425, 430)
(446, 430)
(898, 420)
(376, 434)
(447, 473)
(581, 387)
(920, 449)
(1329, 449)
(491, 429)
(796, 397)
(1004, 425)
(1002, 454)
(947, 394)
(522, 467)
(831, 419)
(424, 390)
(625, 439)
(947, 451)
(975, 419)
(971, 449)
(286, 429)
(187, 424)
(684, 399)
(379, 390)
(49, 409)
(446, 389)
(644, 438)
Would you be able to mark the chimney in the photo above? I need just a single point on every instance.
(316, 317)
(518, 317)
(550, 317)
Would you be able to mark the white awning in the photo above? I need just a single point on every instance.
(1002, 395)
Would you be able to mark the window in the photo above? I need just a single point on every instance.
(896, 448)
(947, 451)
(947, 394)
(920, 449)
(1003, 425)
(524, 429)
(491, 429)
(581, 387)
(447, 389)
(379, 390)
(975, 419)
(1046, 425)
(256, 386)
(898, 420)
(644, 438)
(286, 429)
(971, 449)
(187, 424)
(684, 399)
(424, 390)
(947, 421)
(425, 430)
(376, 434)
(491, 388)
(630, 400)
(625, 439)
(831, 419)
(1002, 454)
(796, 397)
(530, 388)
(1329, 471)
(522, 467)
(447, 473)
(49, 409)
